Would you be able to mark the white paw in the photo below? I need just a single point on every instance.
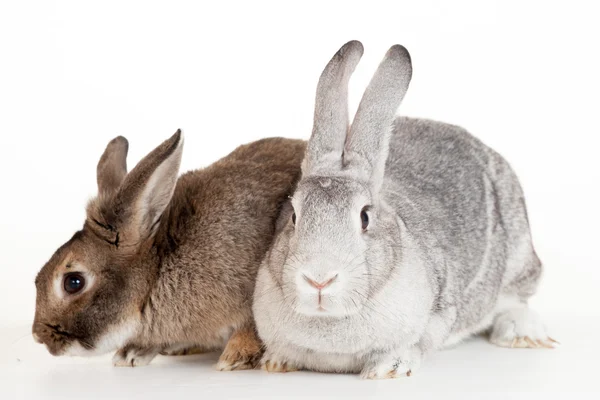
(520, 328)
(131, 357)
(393, 365)
(273, 363)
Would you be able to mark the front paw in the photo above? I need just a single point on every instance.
(392, 365)
(274, 363)
(134, 356)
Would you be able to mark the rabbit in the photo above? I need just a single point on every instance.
(167, 265)
(403, 236)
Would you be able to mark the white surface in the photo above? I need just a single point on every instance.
(475, 369)
(522, 76)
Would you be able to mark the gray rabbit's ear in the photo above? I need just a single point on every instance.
(331, 120)
(367, 145)
(112, 166)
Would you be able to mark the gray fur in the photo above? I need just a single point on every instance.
(331, 110)
(446, 253)
(366, 149)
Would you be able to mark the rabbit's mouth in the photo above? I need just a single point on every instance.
(56, 339)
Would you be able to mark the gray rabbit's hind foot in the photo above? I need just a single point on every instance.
(520, 327)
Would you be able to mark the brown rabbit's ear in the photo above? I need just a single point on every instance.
(112, 166)
(132, 213)
(147, 190)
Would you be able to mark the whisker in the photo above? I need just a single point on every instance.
(21, 338)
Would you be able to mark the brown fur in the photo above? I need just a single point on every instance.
(185, 281)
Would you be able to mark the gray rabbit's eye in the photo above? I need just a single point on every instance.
(364, 218)
(73, 282)
(294, 218)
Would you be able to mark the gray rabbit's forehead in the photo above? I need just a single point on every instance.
(330, 193)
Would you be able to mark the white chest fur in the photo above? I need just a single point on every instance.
(394, 317)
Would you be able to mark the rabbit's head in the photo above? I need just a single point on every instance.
(337, 244)
(90, 292)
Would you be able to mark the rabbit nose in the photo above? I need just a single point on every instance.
(37, 338)
(320, 285)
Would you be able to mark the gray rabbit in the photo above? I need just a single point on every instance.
(403, 236)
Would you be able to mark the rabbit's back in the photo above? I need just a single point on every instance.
(463, 204)
(216, 231)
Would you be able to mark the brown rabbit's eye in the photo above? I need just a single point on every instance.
(364, 218)
(294, 218)
(74, 282)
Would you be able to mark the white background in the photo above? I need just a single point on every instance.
(522, 76)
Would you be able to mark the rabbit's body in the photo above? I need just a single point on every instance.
(444, 250)
(464, 208)
(164, 264)
(208, 249)
(464, 242)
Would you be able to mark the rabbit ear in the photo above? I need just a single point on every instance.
(112, 166)
(330, 127)
(131, 214)
(147, 190)
(367, 145)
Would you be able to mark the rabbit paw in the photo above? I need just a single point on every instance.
(393, 365)
(273, 363)
(520, 328)
(243, 351)
(134, 356)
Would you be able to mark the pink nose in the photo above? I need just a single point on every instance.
(320, 285)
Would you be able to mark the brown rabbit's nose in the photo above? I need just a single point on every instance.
(37, 338)
(320, 285)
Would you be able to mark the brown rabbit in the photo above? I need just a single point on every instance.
(163, 264)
